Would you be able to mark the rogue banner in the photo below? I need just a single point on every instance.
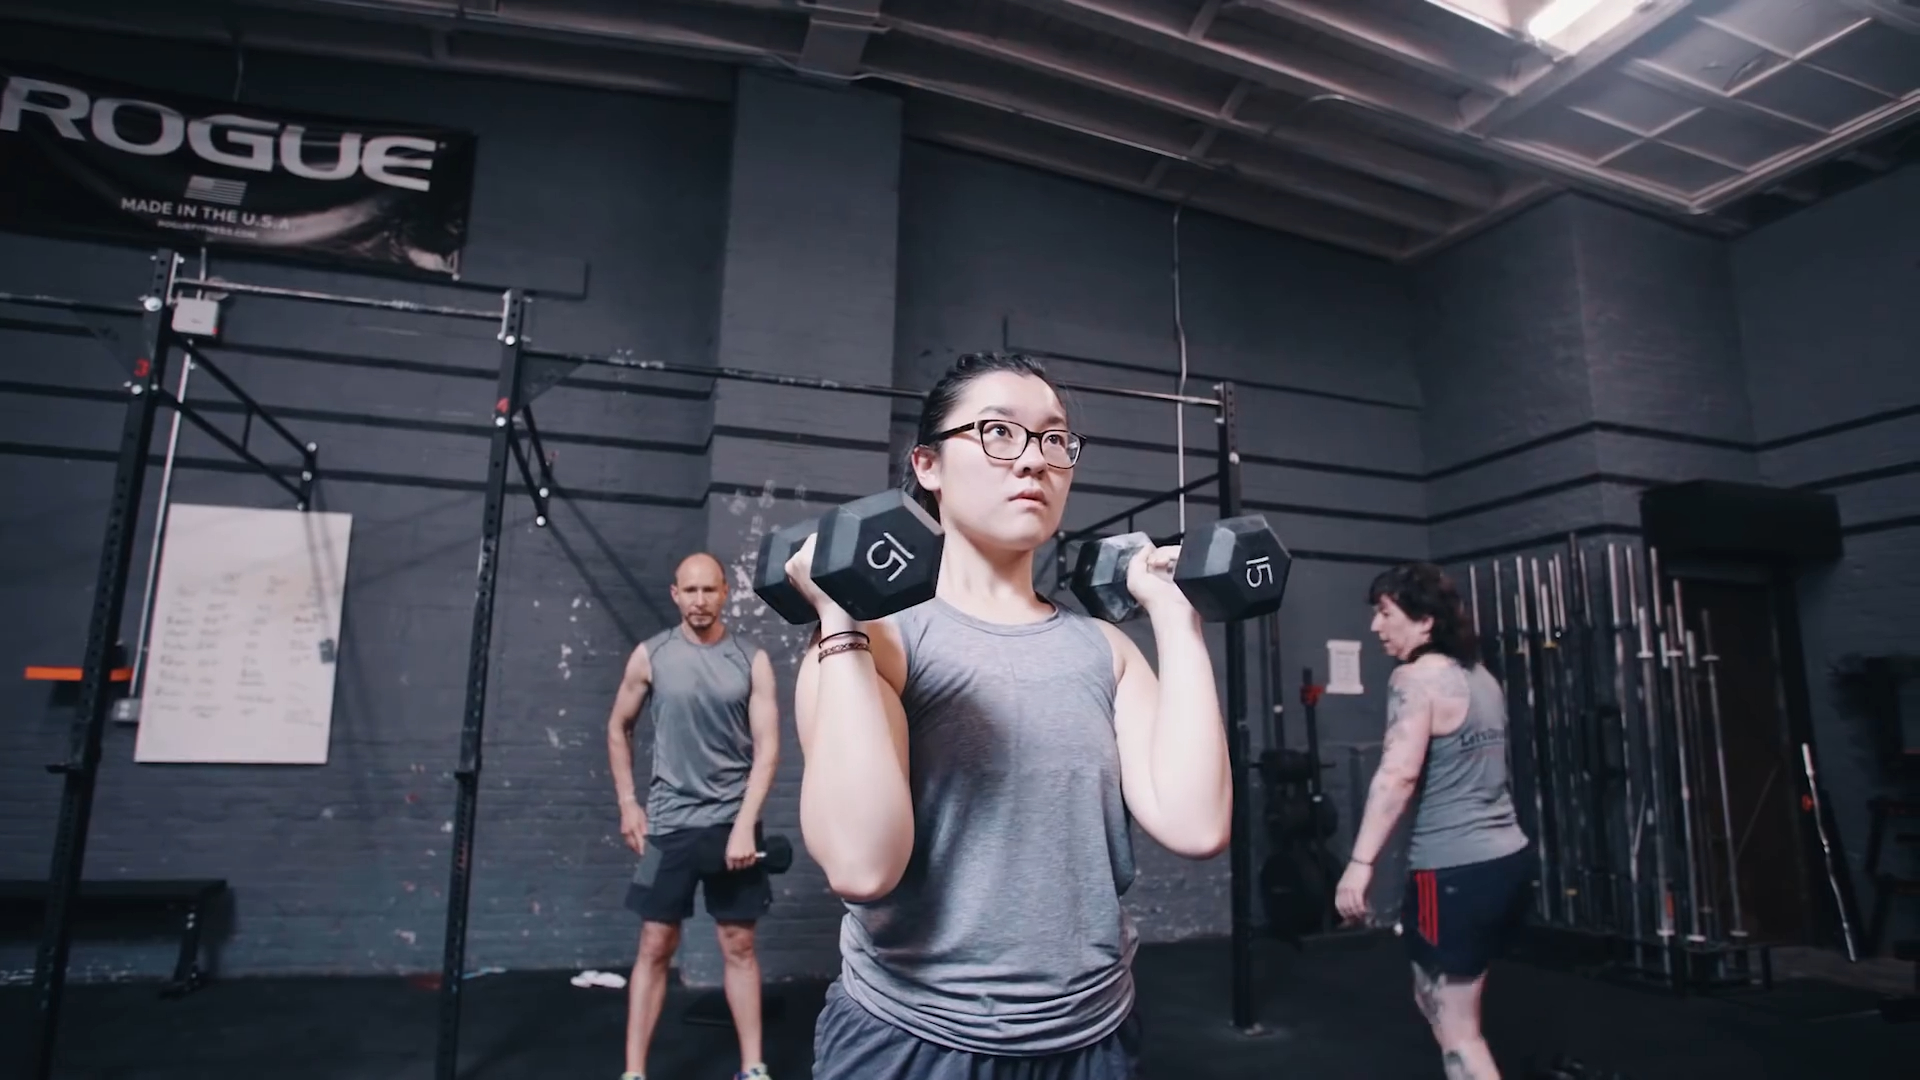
(86, 156)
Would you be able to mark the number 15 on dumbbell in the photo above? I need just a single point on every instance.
(875, 555)
(1229, 570)
(881, 554)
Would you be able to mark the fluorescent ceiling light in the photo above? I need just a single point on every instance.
(1552, 21)
(1571, 25)
(1562, 27)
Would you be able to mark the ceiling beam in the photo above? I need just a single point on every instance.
(1821, 146)
(1532, 92)
(837, 33)
(1362, 189)
(1225, 47)
(703, 28)
(958, 125)
(1516, 199)
(1203, 19)
(1711, 97)
(1160, 133)
(1898, 14)
(1381, 160)
(1402, 43)
(434, 44)
(1494, 15)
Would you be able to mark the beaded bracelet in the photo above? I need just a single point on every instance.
(845, 646)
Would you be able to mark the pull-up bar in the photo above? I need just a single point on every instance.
(621, 360)
(1129, 513)
(62, 303)
(1061, 540)
(411, 306)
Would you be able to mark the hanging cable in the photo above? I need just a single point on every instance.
(1179, 410)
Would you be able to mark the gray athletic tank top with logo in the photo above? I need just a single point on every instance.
(1006, 934)
(702, 741)
(1466, 806)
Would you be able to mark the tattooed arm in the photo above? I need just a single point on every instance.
(1410, 708)
(1410, 700)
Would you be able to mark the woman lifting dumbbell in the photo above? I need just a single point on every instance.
(1446, 739)
(971, 763)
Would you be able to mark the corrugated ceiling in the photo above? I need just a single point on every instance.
(1388, 127)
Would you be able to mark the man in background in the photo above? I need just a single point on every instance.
(716, 743)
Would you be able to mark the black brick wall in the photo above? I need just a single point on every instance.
(1828, 330)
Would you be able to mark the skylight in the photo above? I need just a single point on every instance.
(1559, 26)
(1567, 26)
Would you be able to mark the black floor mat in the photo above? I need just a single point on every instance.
(1808, 999)
(1334, 1015)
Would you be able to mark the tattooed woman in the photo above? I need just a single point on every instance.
(1446, 739)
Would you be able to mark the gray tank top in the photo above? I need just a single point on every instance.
(702, 741)
(1466, 807)
(1006, 934)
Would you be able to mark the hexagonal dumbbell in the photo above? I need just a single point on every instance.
(776, 853)
(1234, 569)
(874, 556)
(1231, 569)
(770, 582)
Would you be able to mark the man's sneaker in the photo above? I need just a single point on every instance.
(754, 1072)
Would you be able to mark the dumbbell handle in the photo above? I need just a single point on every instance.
(1223, 584)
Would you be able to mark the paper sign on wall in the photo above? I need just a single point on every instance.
(245, 648)
(1343, 668)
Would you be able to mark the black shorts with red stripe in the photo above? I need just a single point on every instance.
(1457, 920)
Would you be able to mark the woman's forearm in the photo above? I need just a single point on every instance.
(1192, 775)
(1387, 799)
(856, 809)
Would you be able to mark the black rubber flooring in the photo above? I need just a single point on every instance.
(1326, 1014)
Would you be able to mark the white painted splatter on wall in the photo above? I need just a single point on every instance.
(745, 609)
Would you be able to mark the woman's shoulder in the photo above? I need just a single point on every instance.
(1115, 640)
(1437, 673)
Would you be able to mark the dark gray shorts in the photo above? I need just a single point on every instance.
(850, 1043)
(676, 862)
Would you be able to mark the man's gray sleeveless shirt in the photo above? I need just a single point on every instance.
(702, 740)
(1006, 934)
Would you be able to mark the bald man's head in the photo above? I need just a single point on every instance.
(699, 566)
(699, 591)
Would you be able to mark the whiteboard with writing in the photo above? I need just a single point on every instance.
(246, 628)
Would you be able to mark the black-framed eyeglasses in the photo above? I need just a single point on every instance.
(1005, 440)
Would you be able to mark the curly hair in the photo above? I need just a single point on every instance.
(1424, 591)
